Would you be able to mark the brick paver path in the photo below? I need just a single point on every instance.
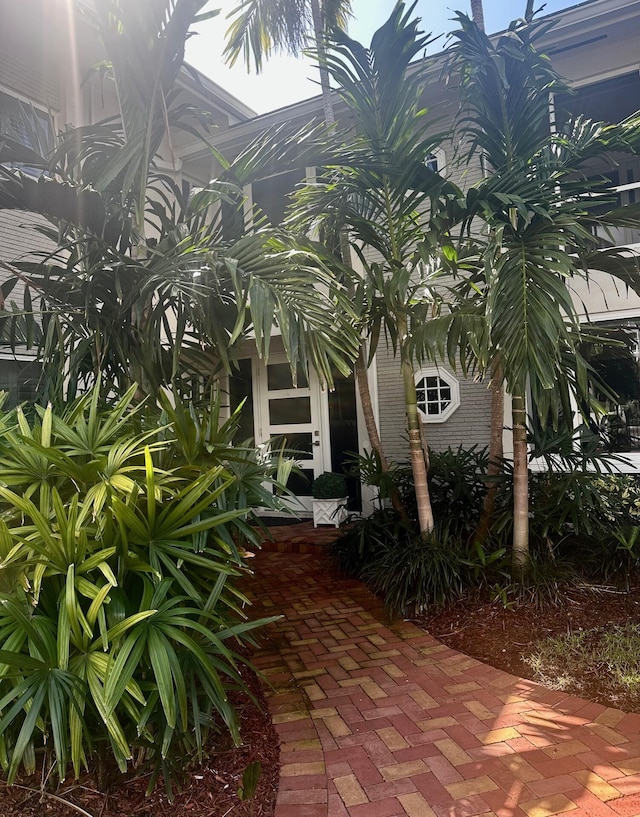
(382, 720)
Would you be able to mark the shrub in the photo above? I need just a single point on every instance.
(548, 579)
(410, 573)
(417, 573)
(359, 545)
(120, 618)
(587, 519)
(457, 483)
(329, 486)
(584, 523)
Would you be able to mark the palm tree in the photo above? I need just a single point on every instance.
(535, 205)
(261, 27)
(112, 300)
(477, 13)
(377, 188)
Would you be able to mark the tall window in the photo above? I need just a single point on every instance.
(25, 124)
(617, 369)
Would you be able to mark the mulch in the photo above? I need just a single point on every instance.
(207, 790)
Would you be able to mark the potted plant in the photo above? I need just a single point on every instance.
(329, 492)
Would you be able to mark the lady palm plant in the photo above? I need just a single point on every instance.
(119, 605)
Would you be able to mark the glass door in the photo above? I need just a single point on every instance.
(291, 414)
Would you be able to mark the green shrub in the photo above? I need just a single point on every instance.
(409, 573)
(361, 543)
(546, 583)
(587, 519)
(416, 574)
(457, 483)
(329, 486)
(120, 619)
(584, 524)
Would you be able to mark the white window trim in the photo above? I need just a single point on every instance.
(47, 113)
(441, 159)
(453, 384)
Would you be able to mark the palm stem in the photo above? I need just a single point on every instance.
(494, 468)
(520, 554)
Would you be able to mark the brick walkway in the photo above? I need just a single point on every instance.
(382, 720)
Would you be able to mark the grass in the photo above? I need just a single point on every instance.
(599, 664)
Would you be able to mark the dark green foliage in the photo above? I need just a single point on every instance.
(120, 619)
(417, 573)
(142, 282)
(546, 582)
(589, 519)
(329, 486)
(457, 482)
(585, 526)
(359, 544)
(410, 573)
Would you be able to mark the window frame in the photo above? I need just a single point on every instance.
(440, 158)
(452, 383)
(43, 114)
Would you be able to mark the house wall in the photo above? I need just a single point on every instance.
(598, 38)
(469, 425)
(601, 296)
(18, 238)
(29, 61)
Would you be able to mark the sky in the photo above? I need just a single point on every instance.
(285, 80)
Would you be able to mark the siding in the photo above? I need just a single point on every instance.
(393, 424)
(18, 238)
(27, 62)
(469, 425)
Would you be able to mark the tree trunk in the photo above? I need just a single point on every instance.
(494, 468)
(520, 555)
(325, 85)
(477, 13)
(416, 451)
(362, 381)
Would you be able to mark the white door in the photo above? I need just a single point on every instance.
(293, 415)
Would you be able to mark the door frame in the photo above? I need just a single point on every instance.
(318, 426)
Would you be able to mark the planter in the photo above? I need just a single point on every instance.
(329, 511)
